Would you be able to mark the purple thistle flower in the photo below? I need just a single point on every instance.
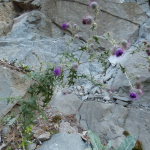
(64, 26)
(119, 52)
(133, 96)
(64, 92)
(93, 5)
(56, 72)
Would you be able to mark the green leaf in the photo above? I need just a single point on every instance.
(122, 69)
(128, 143)
(95, 140)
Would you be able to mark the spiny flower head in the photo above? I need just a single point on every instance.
(93, 5)
(138, 85)
(64, 26)
(75, 26)
(125, 44)
(138, 77)
(119, 53)
(148, 51)
(139, 92)
(91, 45)
(56, 72)
(113, 52)
(133, 96)
(89, 20)
(75, 66)
(76, 36)
(68, 25)
(64, 92)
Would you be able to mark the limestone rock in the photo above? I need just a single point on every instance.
(65, 127)
(40, 134)
(67, 104)
(63, 141)
(11, 85)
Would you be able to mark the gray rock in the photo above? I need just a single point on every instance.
(62, 141)
(83, 124)
(106, 98)
(11, 85)
(31, 146)
(121, 103)
(84, 97)
(137, 123)
(121, 98)
(70, 103)
(40, 134)
(105, 119)
(65, 127)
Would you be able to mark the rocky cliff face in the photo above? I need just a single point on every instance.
(36, 25)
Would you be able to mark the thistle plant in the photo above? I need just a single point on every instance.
(46, 81)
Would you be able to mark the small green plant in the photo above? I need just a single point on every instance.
(127, 144)
(126, 133)
(56, 118)
(138, 145)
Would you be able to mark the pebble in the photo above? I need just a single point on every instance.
(78, 88)
(84, 97)
(81, 94)
(106, 98)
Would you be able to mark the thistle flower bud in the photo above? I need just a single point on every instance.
(148, 52)
(95, 25)
(148, 45)
(138, 85)
(90, 20)
(139, 92)
(75, 26)
(125, 44)
(33, 52)
(68, 25)
(93, 5)
(91, 46)
(76, 36)
(113, 52)
(75, 66)
(138, 77)
(64, 92)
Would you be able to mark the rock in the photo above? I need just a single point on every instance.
(66, 128)
(122, 98)
(106, 98)
(121, 103)
(63, 141)
(87, 88)
(40, 134)
(8, 12)
(138, 125)
(124, 14)
(83, 124)
(31, 146)
(106, 120)
(78, 88)
(70, 103)
(84, 97)
(11, 85)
